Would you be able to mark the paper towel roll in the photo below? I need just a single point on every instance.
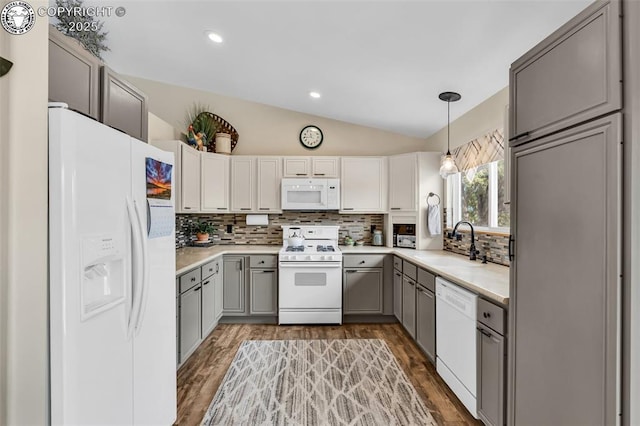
(257, 219)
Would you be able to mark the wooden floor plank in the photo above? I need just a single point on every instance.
(201, 375)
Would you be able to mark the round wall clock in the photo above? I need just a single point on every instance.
(311, 137)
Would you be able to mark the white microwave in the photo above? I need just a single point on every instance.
(310, 194)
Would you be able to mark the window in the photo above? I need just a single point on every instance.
(477, 196)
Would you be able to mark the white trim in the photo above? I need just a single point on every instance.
(493, 194)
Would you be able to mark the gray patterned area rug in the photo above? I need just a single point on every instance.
(316, 382)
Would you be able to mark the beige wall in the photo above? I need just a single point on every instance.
(485, 117)
(23, 226)
(267, 130)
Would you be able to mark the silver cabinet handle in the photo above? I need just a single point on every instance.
(394, 208)
(206, 282)
(318, 174)
(245, 208)
(264, 208)
(301, 174)
(222, 208)
(197, 288)
(347, 208)
(187, 208)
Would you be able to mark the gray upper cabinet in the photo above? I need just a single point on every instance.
(263, 292)
(123, 106)
(564, 285)
(234, 286)
(73, 74)
(574, 75)
(363, 291)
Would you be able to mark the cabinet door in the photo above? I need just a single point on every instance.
(426, 322)
(123, 106)
(190, 169)
(556, 85)
(491, 376)
(364, 181)
(190, 321)
(403, 179)
(397, 295)
(263, 292)
(208, 306)
(297, 166)
(219, 291)
(269, 171)
(233, 278)
(242, 184)
(215, 182)
(74, 74)
(325, 167)
(409, 305)
(570, 179)
(363, 291)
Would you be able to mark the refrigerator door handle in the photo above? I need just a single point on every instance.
(145, 270)
(137, 270)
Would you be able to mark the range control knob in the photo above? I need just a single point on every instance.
(308, 258)
(329, 258)
(322, 257)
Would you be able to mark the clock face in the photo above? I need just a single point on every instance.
(311, 137)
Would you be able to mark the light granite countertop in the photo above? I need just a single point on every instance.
(188, 258)
(489, 280)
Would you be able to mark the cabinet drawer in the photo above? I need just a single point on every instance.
(491, 315)
(427, 279)
(210, 268)
(410, 270)
(363, 261)
(266, 261)
(190, 279)
(397, 263)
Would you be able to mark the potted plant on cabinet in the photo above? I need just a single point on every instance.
(203, 229)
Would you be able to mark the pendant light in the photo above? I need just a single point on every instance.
(448, 165)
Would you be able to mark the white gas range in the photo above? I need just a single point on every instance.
(310, 276)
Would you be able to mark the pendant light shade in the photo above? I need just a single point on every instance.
(448, 164)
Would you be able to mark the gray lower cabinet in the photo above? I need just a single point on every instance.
(409, 305)
(234, 303)
(564, 290)
(363, 291)
(263, 292)
(556, 85)
(426, 321)
(492, 363)
(190, 320)
(218, 286)
(212, 275)
(397, 294)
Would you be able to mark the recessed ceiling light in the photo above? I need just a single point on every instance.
(315, 95)
(214, 37)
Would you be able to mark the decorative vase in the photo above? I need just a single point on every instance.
(223, 143)
(202, 237)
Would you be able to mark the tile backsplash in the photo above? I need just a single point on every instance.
(358, 226)
(494, 246)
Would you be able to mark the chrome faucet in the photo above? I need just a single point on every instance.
(454, 234)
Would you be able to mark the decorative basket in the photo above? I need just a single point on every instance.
(225, 127)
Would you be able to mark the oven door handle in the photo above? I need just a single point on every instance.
(327, 265)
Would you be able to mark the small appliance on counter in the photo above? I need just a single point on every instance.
(404, 235)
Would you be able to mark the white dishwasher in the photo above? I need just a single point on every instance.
(456, 340)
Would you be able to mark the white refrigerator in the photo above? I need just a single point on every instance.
(112, 276)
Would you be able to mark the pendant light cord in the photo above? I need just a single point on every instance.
(448, 125)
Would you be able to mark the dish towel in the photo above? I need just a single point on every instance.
(434, 224)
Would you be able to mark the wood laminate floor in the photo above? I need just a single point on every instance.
(200, 376)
